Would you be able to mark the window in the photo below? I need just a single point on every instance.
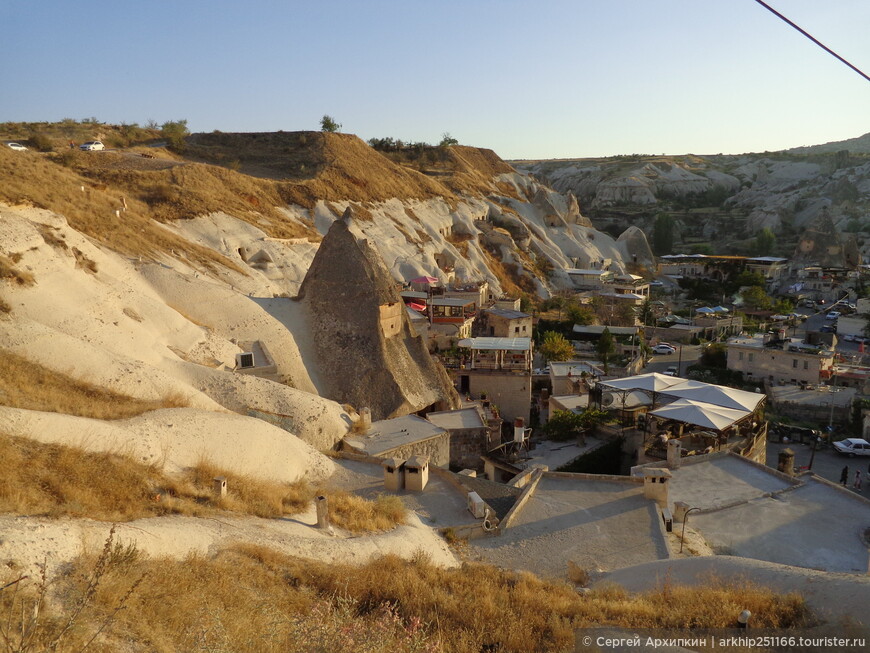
(516, 329)
(794, 362)
(524, 328)
(806, 365)
(740, 356)
(751, 357)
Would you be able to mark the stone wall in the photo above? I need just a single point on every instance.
(437, 448)
(468, 445)
(512, 393)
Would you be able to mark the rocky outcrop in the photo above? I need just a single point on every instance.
(636, 247)
(823, 245)
(365, 351)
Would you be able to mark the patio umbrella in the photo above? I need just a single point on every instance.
(706, 310)
(429, 280)
(720, 309)
(700, 414)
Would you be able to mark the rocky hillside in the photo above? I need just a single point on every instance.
(722, 201)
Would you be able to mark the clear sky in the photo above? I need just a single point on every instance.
(545, 79)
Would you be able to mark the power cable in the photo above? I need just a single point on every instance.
(813, 39)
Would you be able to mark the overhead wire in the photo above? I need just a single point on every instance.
(813, 39)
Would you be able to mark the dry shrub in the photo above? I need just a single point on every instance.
(26, 384)
(256, 599)
(50, 238)
(8, 272)
(83, 262)
(359, 515)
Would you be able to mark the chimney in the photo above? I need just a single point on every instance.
(674, 448)
(786, 462)
(655, 485)
(365, 419)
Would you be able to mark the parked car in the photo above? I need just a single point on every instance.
(850, 338)
(18, 147)
(832, 315)
(91, 146)
(828, 328)
(656, 284)
(853, 447)
(663, 349)
(673, 370)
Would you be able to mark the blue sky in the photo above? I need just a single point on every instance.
(529, 80)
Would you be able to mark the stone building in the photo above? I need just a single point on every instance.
(778, 359)
(501, 368)
(402, 438)
(470, 437)
(504, 323)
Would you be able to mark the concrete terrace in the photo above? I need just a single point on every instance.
(713, 482)
(591, 522)
(754, 511)
(815, 525)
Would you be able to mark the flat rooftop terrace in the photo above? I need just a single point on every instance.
(592, 523)
(716, 482)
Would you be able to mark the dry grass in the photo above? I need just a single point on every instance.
(58, 480)
(36, 180)
(255, 599)
(26, 384)
(9, 272)
(359, 515)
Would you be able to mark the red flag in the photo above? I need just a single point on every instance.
(860, 347)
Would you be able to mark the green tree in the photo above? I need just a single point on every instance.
(328, 124)
(663, 234)
(765, 242)
(566, 425)
(175, 131)
(580, 314)
(783, 306)
(447, 140)
(715, 355)
(556, 347)
(605, 347)
(756, 299)
(646, 312)
(748, 278)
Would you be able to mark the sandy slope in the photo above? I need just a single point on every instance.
(176, 438)
(30, 541)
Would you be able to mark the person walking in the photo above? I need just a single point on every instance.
(844, 476)
(857, 484)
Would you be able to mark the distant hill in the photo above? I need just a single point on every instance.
(859, 144)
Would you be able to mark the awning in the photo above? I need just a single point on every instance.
(429, 280)
(701, 414)
(417, 307)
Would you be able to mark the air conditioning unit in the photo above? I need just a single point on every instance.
(476, 506)
(608, 399)
(244, 360)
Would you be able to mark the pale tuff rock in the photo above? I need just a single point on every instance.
(823, 245)
(635, 247)
(363, 345)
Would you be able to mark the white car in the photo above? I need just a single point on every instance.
(18, 147)
(672, 371)
(664, 349)
(850, 338)
(833, 315)
(92, 146)
(853, 447)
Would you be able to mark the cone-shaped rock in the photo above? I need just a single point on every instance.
(367, 354)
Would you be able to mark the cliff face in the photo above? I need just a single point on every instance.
(364, 348)
(723, 199)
